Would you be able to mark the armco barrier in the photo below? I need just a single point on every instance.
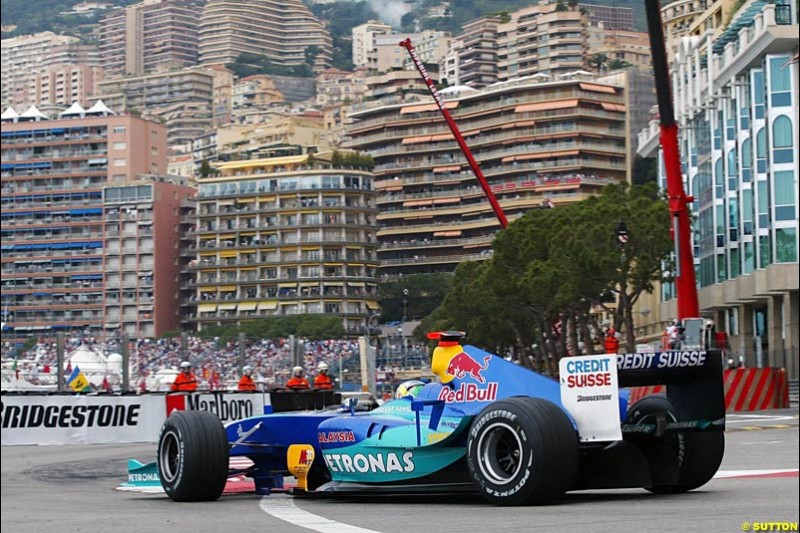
(32, 418)
(746, 389)
(62, 419)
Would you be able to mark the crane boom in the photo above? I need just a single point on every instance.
(685, 283)
(498, 211)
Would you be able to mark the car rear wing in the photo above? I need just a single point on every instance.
(693, 379)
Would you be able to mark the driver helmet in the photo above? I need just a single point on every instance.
(297, 371)
(409, 388)
(185, 365)
(322, 366)
(247, 369)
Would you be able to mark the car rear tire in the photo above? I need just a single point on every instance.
(522, 451)
(193, 456)
(698, 454)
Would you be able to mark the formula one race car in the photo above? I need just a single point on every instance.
(489, 425)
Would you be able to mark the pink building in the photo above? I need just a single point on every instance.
(83, 217)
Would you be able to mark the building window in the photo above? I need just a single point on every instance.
(782, 140)
(732, 170)
(120, 145)
(764, 251)
(747, 211)
(749, 258)
(758, 93)
(761, 151)
(747, 160)
(119, 129)
(784, 195)
(785, 245)
(780, 81)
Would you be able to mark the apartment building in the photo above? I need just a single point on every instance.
(611, 17)
(150, 35)
(282, 31)
(54, 229)
(142, 256)
(339, 86)
(632, 47)
(63, 84)
(181, 99)
(22, 58)
(736, 97)
(275, 133)
(364, 37)
(542, 39)
(538, 144)
(472, 58)
(283, 236)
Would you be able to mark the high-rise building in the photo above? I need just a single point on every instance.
(64, 84)
(612, 17)
(678, 17)
(543, 38)
(148, 36)
(143, 231)
(285, 236)
(736, 98)
(181, 99)
(22, 58)
(88, 235)
(618, 47)
(538, 144)
(285, 32)
(472, 59)
(364, 37)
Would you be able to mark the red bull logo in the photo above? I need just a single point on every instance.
(469, 392)
(463, 364)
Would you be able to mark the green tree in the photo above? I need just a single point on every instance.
(552, 266)
(645, 170)
(617, 64)
(205, 169)
(598, 61)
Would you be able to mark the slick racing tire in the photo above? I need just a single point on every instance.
(193, 456)
(522, 451)
(698, 454)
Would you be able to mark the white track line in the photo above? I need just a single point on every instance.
(283, 508)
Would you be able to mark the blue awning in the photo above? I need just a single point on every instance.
(92, 211)
(87, 276)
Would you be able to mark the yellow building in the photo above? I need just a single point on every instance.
(285, 236)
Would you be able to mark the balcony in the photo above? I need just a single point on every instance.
(757, 28)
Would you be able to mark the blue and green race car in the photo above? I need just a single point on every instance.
(488, 426)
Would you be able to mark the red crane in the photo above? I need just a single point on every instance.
(498, 211)
(685, 282)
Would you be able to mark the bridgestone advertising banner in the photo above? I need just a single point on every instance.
(81, 419)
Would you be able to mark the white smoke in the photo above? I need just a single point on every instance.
(390, 11)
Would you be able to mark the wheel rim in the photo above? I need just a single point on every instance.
(499, 453)
(678, 438)
(169, 456)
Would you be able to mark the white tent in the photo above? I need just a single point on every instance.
(74, 110)
(99, 108)
(32, 113)
(9, 114)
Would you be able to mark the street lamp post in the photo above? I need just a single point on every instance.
(403, 326)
